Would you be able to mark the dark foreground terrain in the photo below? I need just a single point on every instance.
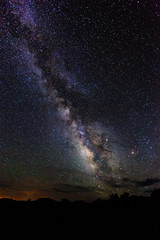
(127, 217)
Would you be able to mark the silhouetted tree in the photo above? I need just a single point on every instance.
(114, 197)
(156, 194)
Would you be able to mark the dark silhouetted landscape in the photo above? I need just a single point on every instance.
(130, 217)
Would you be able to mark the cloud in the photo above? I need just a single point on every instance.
(66, 188)
(126, 182)
(117, 186)
(146, 182)
(5, 185)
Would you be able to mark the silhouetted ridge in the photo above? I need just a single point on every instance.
(134, 216)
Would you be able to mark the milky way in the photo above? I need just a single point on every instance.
(79, 98)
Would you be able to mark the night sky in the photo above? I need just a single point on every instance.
(79, 98)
